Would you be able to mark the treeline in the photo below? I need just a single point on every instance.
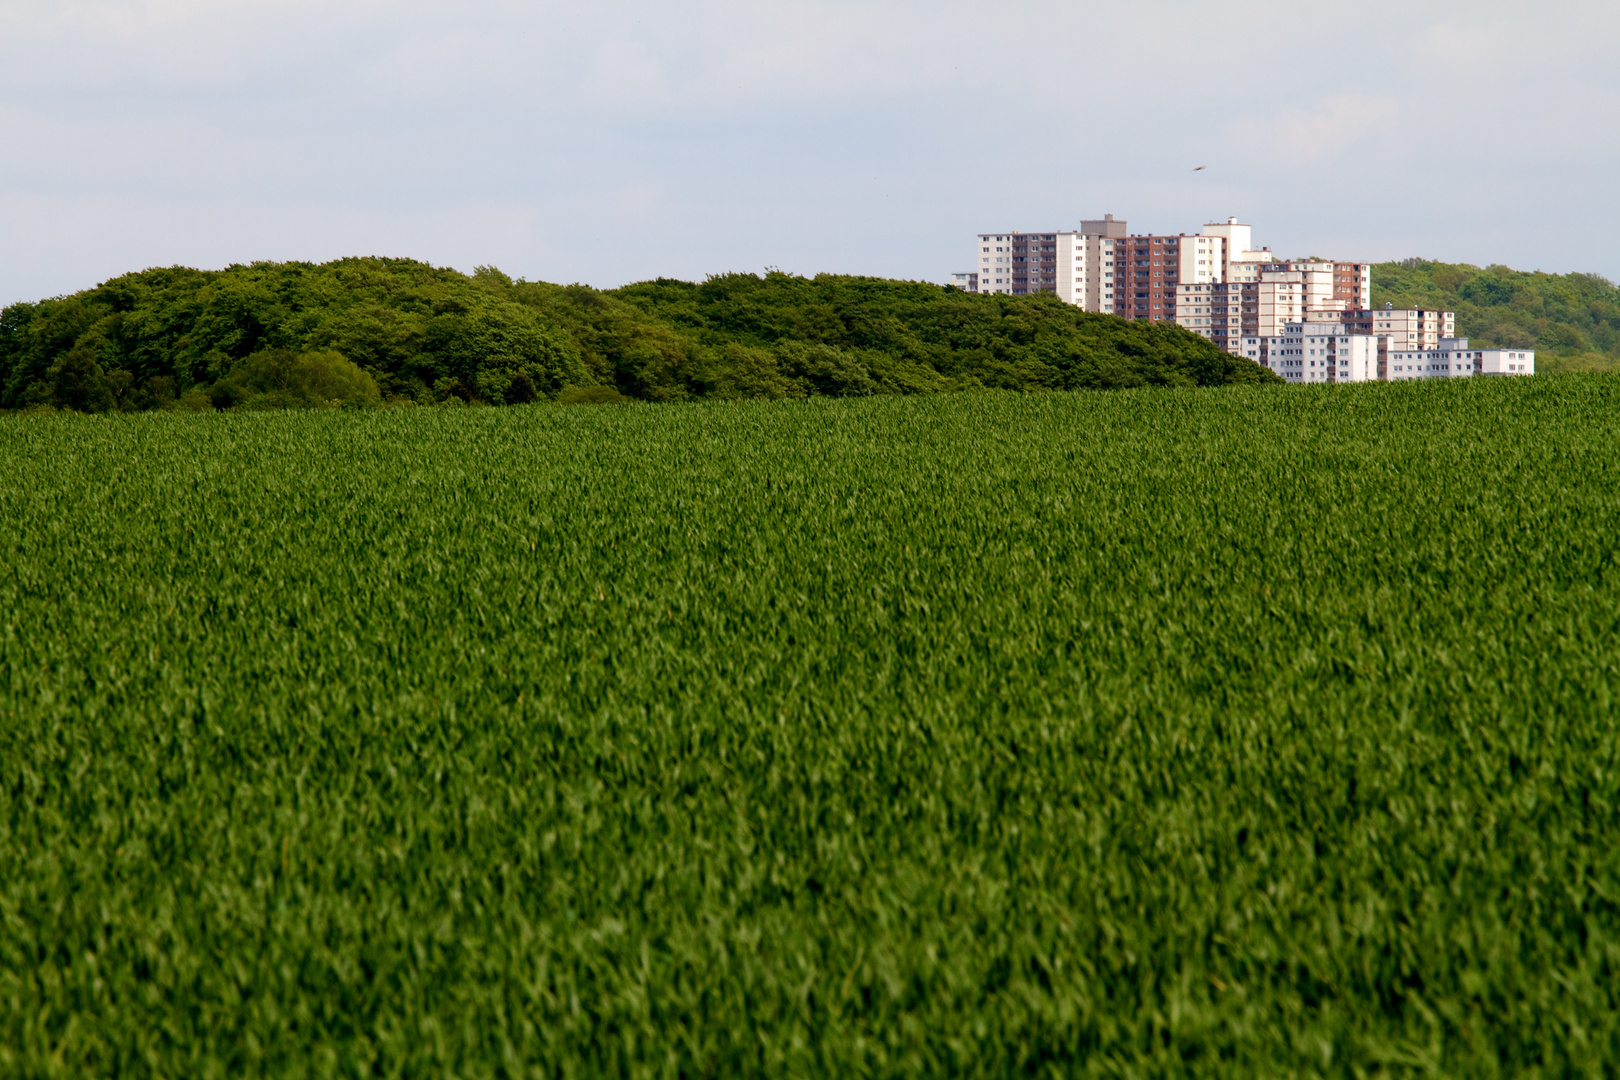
(1571, 320)
(371, 330)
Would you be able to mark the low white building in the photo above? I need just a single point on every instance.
(1504, 361)
(1453, 359)
(1316, 352)
(1322, 351)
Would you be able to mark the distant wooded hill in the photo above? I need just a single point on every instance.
(364, 330)
(1571, 320)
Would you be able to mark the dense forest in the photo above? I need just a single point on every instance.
(1571, 320)
(366, 331)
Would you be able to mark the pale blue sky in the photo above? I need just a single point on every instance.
(616, 140)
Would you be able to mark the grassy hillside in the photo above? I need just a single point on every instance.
(1571, 320)
(358, 331)
(1220, 733)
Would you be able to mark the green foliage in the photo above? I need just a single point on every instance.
(847, 336)
(411, 327)
(1571, 320)
(279, 379)
(143, 340)
(1156, 734)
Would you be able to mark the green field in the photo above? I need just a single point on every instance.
(1212, 732)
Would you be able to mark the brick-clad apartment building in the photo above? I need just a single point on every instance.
(1147, 270)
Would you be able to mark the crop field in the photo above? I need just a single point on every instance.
(1241, 732)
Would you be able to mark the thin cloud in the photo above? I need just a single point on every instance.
(621, 140)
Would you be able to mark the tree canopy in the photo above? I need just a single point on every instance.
(362, 330)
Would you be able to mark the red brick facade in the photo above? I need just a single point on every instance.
(1146, 271)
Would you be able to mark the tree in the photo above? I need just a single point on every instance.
(77, 382)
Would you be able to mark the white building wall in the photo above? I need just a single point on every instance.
(1281, 301)
(1316, 353)
(1106, 288)
(1455, 360)
(1505, 361)
(1073, 270)
(1203, 260)
(1411, 328)
(995, 262)
(1239, 260)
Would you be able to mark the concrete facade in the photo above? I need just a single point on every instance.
(1018, 264)
(1223, 312)
(1077, 266)
(1453, 359)
(1324, 351)
(1406, 328)
(1320, 352)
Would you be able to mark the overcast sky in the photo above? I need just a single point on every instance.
(609, 141)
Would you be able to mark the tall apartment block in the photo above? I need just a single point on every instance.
(1102, 235)
(1102, 267)
(1150, 270)
(1068, 263)
(1223, 312)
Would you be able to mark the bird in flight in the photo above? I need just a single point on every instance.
(1201, 167)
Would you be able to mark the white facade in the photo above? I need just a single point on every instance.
(1203, 260)
(1322, 351)
(1209, 309)
(1239, 261)
(1021, 263)
(1503, 361)
(1318, 352)
(1281, 301)
(1453, 359)
(1076, 255)
(1103, 285)
(1408, 329)
(994, 254)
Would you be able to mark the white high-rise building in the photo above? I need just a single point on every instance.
(1019, 263)
(1069, 263)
